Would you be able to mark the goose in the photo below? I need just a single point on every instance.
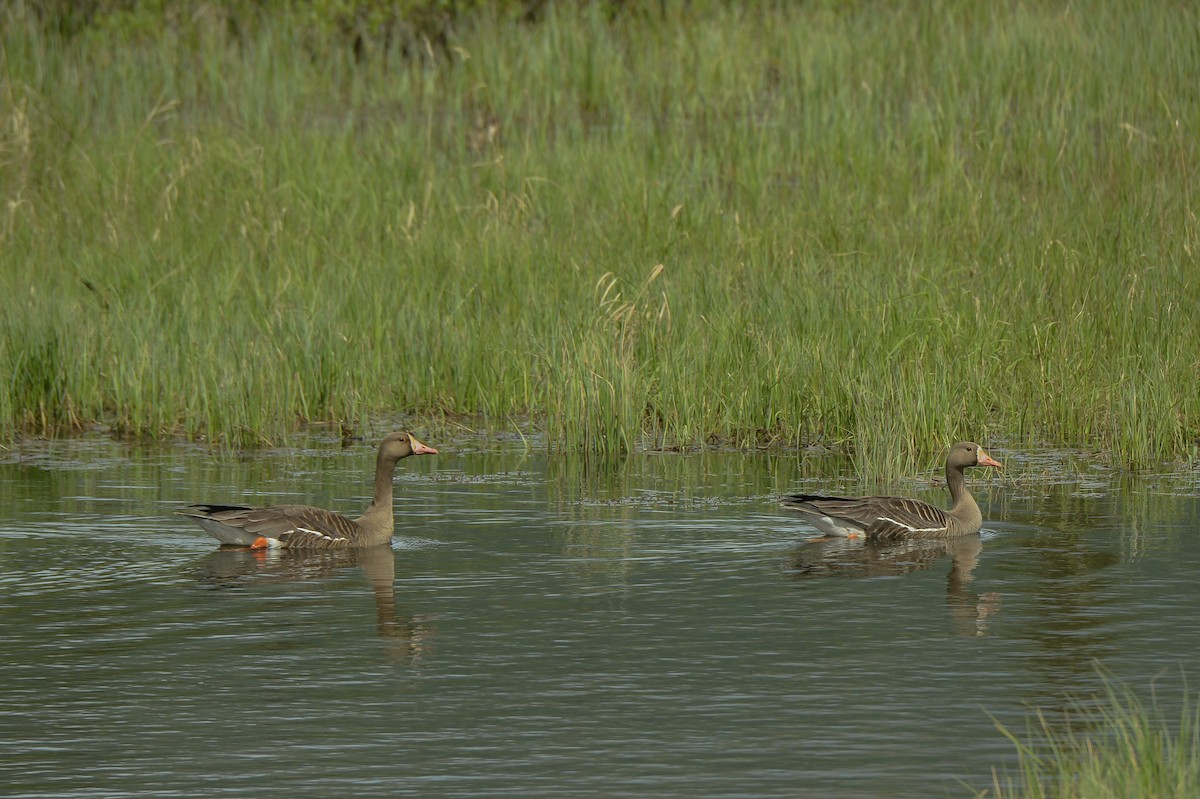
(890, 518)
(306, 527)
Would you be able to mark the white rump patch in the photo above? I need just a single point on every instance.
(836, 527)
(227, 535)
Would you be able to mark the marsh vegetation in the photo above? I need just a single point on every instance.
(873, 227)
(1115, 745)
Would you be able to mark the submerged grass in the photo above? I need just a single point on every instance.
(1117, 749)
(869, 225)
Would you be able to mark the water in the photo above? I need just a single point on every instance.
(553, 627)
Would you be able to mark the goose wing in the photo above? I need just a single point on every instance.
(880, 518)
(298, 526)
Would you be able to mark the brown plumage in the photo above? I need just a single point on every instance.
(306, 527)
(886, 518)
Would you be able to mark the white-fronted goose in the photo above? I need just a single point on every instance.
(306, 527)
(884, 518)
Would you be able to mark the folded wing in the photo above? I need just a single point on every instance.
(294, 526)
(880, 518)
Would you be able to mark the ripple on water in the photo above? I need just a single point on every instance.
(528, 644)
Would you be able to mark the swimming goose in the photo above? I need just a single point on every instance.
(306, 527)
(884, 518)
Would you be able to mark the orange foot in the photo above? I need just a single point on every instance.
(260, 543)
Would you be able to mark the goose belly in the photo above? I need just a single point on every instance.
(233, 536)
(831, 525)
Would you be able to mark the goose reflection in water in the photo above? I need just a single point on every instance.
(236, 566)
(851, 558)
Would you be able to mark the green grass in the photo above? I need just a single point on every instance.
(873, 225)
(1116, 749)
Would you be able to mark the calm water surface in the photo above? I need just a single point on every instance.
(550, 627)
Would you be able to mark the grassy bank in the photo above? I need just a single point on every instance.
(1118, 748)
(871, 225)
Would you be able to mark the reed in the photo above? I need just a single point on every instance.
(869, 226)
(1117, 748)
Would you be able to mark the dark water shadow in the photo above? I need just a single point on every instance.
(409, 636)
(970, 613)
